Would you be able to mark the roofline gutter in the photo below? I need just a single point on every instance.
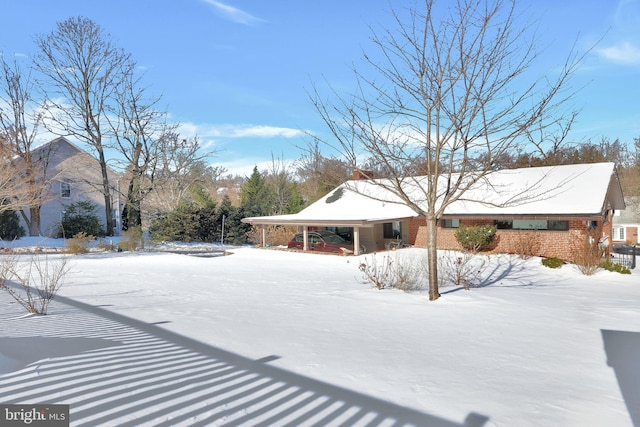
(365, 223)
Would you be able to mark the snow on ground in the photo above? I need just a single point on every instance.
(531, 347)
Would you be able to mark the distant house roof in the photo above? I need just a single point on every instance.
(631, 215)
(582, 190)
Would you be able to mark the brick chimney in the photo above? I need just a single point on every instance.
(360, 174)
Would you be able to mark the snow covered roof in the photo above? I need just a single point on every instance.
(568, 190)
(581, 190)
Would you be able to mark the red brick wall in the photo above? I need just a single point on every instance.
(542, 243)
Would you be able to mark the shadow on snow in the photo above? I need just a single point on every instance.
(622, 350)
(112, 369)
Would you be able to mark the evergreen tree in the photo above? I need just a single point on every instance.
(235, 231)
(256, 197)
(10, 228)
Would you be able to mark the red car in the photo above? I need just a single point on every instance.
(323, 241)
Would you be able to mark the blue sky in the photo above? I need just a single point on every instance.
(237, 72)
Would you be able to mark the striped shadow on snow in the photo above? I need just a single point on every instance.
(113, 370)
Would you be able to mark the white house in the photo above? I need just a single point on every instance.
(72, 175)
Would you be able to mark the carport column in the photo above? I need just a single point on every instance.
(305, 238)
(356, 240)
(264, 236)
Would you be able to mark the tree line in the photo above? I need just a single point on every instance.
(79, 84)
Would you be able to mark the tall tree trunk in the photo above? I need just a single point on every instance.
(134, 216)
(432, 257)
(106, 192)
(34, 221)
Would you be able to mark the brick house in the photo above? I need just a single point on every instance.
(71, 175)
(545, 208)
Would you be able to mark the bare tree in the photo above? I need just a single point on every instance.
(443, 90)
(320, 174)
(181, 168)
(83, 69)
(137, 128)
(20, 121)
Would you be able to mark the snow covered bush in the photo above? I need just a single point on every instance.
(400, 271)
(34, 284)
(474, 238)
(461, 269)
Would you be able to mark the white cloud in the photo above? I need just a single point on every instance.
(624, 53)
(244, 166)
(233, 14)
(265, 132)
(238, 131)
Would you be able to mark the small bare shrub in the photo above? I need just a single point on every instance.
(38, 282)
(79, 243)
(377, 272)
(461, 269)
(393, 272)
(105, 246)
(587, 252)
(526, 245)
(132, 239)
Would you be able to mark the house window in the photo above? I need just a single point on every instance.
(531, 224)
(503, 224)
(618, 233)
(65, 190)
(392, 230)
(558, 225)
(450, 223)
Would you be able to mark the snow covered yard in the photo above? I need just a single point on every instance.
(269, 337)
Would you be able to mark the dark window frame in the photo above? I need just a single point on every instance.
(450, 223)
(390, 232)
(65, 190)
(551, 225)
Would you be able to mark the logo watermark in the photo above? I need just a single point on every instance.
(34, 415)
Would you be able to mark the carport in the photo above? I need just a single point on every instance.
(307, 222)
(355, 204)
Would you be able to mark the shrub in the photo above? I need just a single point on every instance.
(80, 217)
(526, 245)
(39, 281)
(461, 269)
(399, 272)
(132, 239)
(79, 243)
(10, 228)
(587, 253)
(474, 238)
(187, 223)
(552, 262)
(609, 265)
(275, 234)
